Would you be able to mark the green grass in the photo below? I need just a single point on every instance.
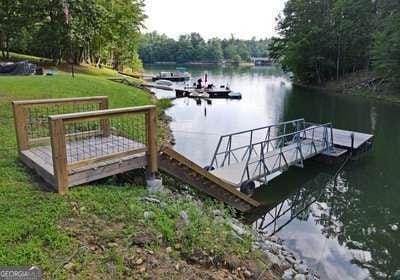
(44, 229)
(63, 85)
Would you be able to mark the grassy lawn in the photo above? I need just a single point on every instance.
(99, 231)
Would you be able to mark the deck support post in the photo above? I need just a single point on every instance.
(59, 154)
(151, 127)
(21, 127)
(104, 122)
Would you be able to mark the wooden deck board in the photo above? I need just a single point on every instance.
(40, 158)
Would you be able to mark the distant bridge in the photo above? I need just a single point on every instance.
(261, 60)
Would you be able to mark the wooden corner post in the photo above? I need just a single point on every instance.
(151, 125)
(104, 122)
(59, 154)
(21, 127)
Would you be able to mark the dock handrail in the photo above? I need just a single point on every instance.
(256, 146)
(298, 141)
(297, 124)
(264, 127)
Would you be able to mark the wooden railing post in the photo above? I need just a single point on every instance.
(59, 154)
(21, 127)
(151, 126)
(104, 122)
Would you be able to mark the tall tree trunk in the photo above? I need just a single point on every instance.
(318, 74)
(98, 62)
(6, 47)
(338, 59)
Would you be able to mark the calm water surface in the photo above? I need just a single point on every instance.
(342, 228)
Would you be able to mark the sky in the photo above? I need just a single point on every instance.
(213, 18)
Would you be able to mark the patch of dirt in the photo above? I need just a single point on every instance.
(168, 138)
(106, 251)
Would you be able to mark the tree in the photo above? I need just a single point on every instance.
(214, 50)
(324, 40)
(386, 48)
(193, 48)
(94, 31)
(16, 17)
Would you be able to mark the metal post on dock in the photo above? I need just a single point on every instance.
(352, 142)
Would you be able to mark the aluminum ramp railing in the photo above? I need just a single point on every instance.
(282, 145)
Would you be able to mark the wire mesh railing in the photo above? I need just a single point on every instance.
(31, 116)
(96, 138)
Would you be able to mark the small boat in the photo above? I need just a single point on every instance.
(198, 94)
(198, 90)
(179, 75)
(235, 95)
(164, 83)
(217, 92)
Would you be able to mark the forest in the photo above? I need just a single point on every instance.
(192, 47)
(318, 40)
(92, 31)
(324, 40)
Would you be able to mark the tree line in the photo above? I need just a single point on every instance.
(192, 47)
(95, 31)
(322, 40)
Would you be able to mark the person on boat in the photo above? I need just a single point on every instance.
(199, 85)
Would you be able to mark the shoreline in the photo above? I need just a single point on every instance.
(201, 63)
(357, 92)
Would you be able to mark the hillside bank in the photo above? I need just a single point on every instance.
(363, 83)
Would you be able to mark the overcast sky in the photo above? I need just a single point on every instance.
(213, 18)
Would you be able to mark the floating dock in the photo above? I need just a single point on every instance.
(259, 155)
(263, 153)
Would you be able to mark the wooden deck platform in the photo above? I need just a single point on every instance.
(90, 150)
(72, 141)
(233, 173)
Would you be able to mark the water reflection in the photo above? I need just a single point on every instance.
(308, 205)
(202, 123)
(346, 231)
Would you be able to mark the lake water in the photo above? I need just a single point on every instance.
(344, 229)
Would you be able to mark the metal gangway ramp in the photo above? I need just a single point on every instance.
(260, 154)
(185, 170)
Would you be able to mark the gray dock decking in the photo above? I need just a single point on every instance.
(342, 138)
